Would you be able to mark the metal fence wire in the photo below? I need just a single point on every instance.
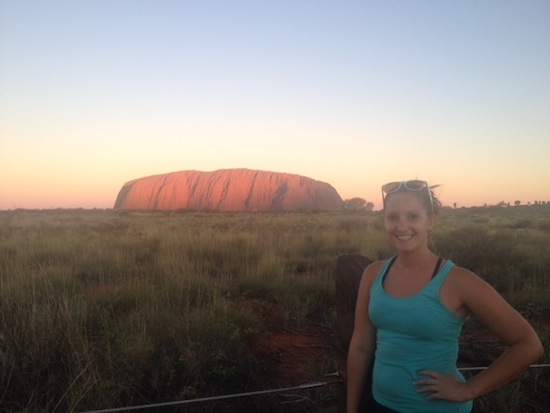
(333, 378)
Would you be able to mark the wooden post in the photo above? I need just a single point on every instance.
(349, 269)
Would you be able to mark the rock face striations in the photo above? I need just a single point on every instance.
(228, 190)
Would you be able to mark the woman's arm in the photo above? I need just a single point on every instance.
(524, 346)
(362, 344)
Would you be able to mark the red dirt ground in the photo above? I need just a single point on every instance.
(294, 357)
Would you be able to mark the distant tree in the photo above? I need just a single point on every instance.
(454, 204)
(517, 203)
(358, 204)
(354, 204)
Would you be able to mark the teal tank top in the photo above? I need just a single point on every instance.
(412, 334)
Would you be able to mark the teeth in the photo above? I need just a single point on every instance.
(404, 237)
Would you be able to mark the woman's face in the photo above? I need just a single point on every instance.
(407, 222)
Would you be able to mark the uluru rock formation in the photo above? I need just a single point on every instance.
(228, 190)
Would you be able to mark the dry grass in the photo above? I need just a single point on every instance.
(101, 309)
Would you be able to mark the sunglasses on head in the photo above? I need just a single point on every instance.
(412, 185)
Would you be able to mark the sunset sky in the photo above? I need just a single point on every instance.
(354, 93)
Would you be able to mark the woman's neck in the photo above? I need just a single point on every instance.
(416, 259)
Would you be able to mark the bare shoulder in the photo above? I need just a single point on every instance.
(464, 280)
(490, 307)
(374, 267)
(370, 273)
(465, 293)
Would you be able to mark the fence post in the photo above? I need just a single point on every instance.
(349, 269)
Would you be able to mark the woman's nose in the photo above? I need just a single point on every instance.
(401, 224)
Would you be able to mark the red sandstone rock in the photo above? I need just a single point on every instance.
(228, 190)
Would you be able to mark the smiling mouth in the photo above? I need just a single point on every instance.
(404, 237)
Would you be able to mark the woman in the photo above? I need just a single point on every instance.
(409, 314)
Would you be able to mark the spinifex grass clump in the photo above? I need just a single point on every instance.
(101, 309)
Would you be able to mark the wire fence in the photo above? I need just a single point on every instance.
(335, 379)
(305, 386)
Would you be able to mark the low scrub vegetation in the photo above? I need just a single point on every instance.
(100, 309)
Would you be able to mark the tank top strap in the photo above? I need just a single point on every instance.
(383, 272)
(444, 271)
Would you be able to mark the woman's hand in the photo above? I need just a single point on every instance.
(443, 387)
